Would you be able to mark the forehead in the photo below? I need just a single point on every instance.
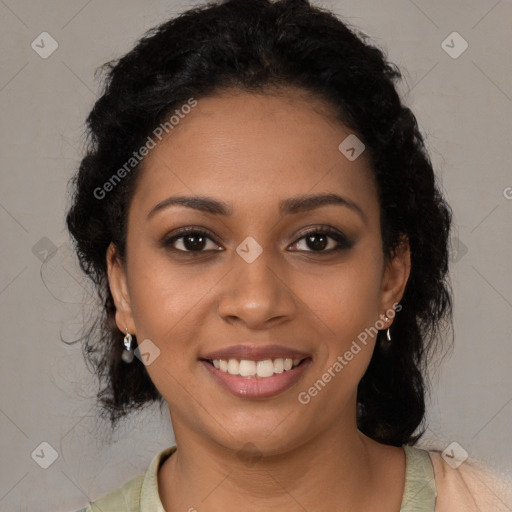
(249, 149)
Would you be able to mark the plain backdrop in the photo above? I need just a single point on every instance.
(463, 103)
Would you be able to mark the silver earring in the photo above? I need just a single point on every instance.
(388, 334)
(127, 355)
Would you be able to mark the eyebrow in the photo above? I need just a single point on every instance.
(291, 205)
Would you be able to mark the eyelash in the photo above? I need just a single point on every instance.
(342, 241)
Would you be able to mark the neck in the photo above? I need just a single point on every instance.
(340, 468)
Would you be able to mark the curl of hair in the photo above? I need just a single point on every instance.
(261, 46)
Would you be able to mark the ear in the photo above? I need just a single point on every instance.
(396, 274)
(119, 289)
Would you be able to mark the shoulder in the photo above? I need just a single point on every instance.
(138, 494)
(125, 498)
(469, 487)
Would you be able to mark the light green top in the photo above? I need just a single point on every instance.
(140, 494)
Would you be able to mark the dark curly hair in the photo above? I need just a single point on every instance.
(259, 46)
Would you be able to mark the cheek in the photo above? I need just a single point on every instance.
(343, 303)
(166, 301)
(164, 296)
(346, 297)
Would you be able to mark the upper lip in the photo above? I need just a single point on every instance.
(256, 353)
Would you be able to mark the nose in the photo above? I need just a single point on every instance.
(256, 294)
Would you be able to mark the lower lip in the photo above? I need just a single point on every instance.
(254, 387)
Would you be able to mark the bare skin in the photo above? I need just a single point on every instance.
(252, 151)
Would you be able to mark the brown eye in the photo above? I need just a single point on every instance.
(317, 241)
(324, 240)
(190, 240)
(193, 242)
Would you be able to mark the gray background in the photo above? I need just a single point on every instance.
(464, 108)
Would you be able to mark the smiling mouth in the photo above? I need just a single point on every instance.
(262, 369)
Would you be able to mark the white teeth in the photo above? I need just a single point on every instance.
(265, 368)
(279, 365)
(233, 367)
(247, 368)
(261, 369)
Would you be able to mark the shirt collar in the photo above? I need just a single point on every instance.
(419, 473)
(149, 496)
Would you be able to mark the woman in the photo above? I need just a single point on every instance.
(262, 221)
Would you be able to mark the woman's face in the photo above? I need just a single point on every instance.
(255, 278)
